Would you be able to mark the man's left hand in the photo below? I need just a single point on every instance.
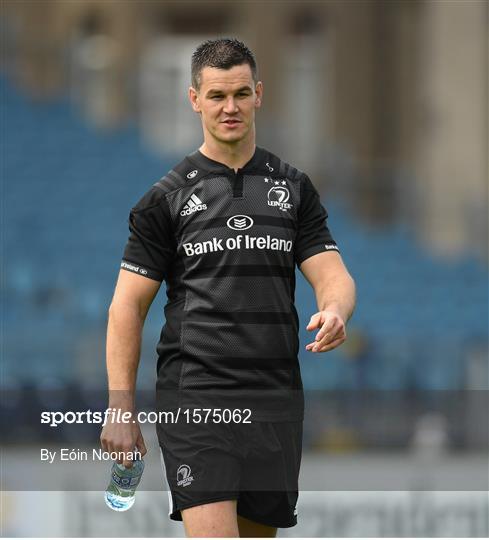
(332, 331)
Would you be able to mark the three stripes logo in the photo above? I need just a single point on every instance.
(194, 204)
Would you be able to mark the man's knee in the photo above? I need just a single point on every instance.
(216, 519)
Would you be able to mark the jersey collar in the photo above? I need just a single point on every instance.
(256, 164)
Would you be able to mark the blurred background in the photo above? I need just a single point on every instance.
(385, 105)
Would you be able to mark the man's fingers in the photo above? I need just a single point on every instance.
(333, 344)
(313, 347)
(329, 339)
(127, 453)
(324, 337)
(337, 333)
(122, 440)
(140, 445)
(329, 328)
(109, 445)
(332, 331)
(103, 442)
(315, 321)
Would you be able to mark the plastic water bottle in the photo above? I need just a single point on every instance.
(121, 491)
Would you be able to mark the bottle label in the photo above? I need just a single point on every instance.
(125, 482)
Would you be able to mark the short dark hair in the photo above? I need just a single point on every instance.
(222, 53)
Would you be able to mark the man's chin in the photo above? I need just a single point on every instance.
(230, 137)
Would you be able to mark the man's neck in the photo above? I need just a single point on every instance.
(234, 156)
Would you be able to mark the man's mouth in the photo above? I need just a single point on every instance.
(232, 122)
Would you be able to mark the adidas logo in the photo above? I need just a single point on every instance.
(194, 204)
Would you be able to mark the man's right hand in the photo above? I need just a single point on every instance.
(123, 438)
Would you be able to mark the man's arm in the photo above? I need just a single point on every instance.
(130, 304)
(335, 294)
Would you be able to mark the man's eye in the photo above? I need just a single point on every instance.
(216, 97)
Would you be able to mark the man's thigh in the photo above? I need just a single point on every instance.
(217, 519)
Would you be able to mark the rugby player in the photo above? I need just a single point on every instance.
(225, 228)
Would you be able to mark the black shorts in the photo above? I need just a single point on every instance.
(256, 464)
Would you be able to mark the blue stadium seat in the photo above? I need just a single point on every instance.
(68, 191)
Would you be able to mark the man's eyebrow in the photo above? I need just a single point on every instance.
(216, 91)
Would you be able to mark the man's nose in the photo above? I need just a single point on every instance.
(230, 105)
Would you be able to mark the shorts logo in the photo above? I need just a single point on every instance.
(331, 247)
(192, 174)
(278, 196)
(184, 477)
(239, 223)
(194, 204)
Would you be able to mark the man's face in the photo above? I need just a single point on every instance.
(226, 101)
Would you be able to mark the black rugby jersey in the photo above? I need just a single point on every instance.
(226, 243)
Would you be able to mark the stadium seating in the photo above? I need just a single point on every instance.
(67, 193)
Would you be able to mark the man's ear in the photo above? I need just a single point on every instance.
(259, 94)
(193, 96)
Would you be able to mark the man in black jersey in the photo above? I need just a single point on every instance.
(224, 228)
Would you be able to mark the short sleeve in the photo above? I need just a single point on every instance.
(313, 235)
(151, 245)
